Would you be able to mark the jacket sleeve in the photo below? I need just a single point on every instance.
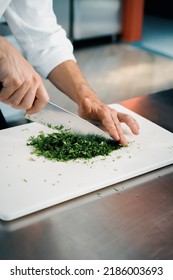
(44, 42)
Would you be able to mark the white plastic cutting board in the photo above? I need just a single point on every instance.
(30, 183)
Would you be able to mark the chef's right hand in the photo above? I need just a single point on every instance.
(22, 87)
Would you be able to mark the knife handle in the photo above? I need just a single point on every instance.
(1, 86)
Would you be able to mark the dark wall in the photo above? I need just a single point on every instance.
(159, 8)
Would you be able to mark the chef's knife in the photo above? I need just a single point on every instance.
(54, 115)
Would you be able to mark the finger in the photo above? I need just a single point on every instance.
(16, 98)
(130, 122)
(7, 91)
(109, 125)
(118, 128)
(110, 121)
(42, 98)
(27, 101)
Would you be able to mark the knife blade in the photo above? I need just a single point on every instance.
(55, 115)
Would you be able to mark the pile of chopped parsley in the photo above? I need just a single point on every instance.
(65, 145)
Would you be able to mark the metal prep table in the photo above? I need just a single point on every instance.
(132, 220)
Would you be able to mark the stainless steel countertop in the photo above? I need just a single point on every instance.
(132, 220)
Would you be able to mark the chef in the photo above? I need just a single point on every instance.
(48, 53)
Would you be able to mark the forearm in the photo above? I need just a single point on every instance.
(68, 78)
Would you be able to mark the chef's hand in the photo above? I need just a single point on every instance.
(110, 118)
(22, 87)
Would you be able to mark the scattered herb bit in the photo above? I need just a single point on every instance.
(99, 194)
(116, 189)
(118, 157)
(57, 127)
(25, 180)
(65, 145)
(28, 117)
(31, 159)
(25, 129)
(170, 147)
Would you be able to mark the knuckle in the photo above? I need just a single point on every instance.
(16, 84)
(32, 80)
(105, 111)
(28, 82)
(36, 79)
(117, 123)
(113, 111)
(126, 118)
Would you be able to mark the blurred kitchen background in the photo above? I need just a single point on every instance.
(123, 47)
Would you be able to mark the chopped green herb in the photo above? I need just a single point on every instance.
(25, 129)
(28, 117)
(99, 194)
(116, 189)
(65, 145)
(31, 159)
(58, 127)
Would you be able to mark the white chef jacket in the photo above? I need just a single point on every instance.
(33, 24)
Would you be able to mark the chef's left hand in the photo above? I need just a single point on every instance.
(110, 118)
